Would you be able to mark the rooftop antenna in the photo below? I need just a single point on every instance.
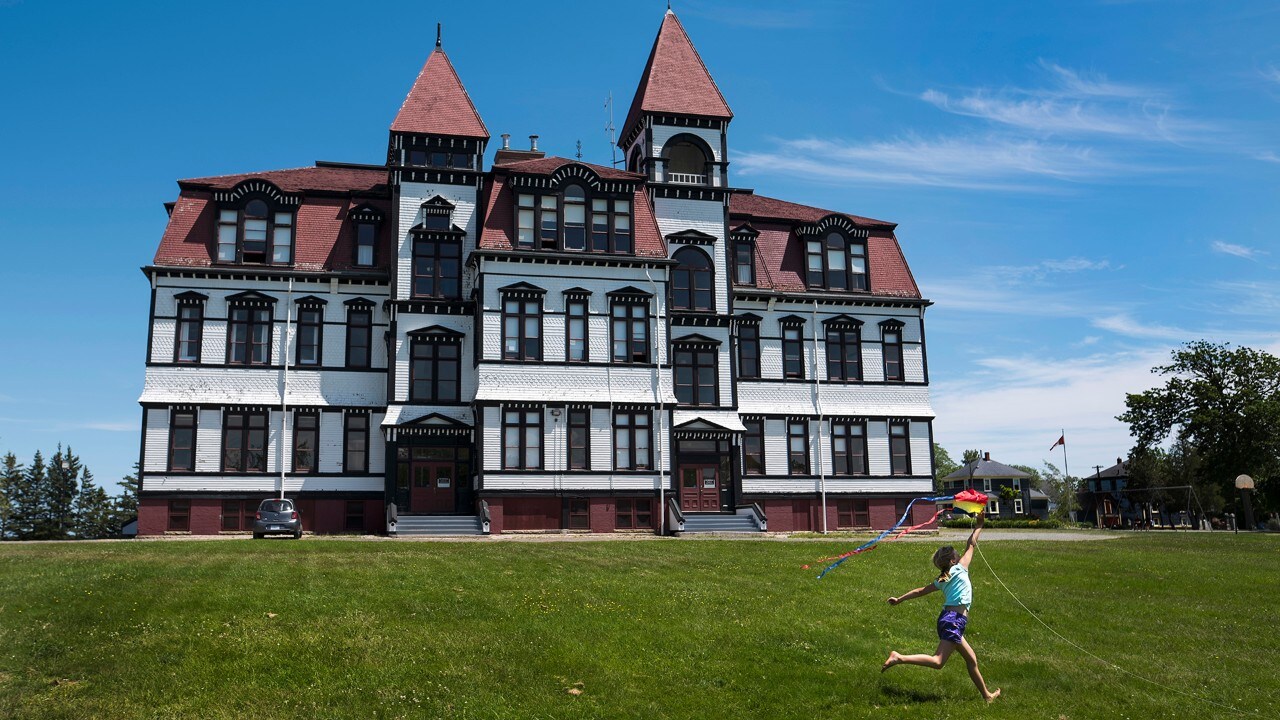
(609, 128)
(437, 35)
(579, 149)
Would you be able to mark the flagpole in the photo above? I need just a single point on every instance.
(1066, 471)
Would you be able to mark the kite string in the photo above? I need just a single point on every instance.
(1104, 661)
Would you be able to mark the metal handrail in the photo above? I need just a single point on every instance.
(758, 511)
(673, 508)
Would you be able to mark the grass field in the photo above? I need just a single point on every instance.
(650, 629)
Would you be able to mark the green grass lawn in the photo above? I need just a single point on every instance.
(658, 629)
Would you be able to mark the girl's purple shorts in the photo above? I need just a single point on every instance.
(951, 626)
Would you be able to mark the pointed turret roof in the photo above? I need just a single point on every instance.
(675, 80)
(438, 104)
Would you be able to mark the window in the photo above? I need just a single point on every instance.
(522, 440)
(1017, 506)
(310, 333)
(844, 354)
(579, 439)
(633, 513)
(891, 339)
(231, 514)
(359, 336)
(521, 329)
(190, 330)
(575, 218)
(792, 352)
(848, 448)
(424, 157)
(798, 447)
(630, 322)
(986, 485)
(579, 514)
(538, 222)
(366, 238)
(254, 233)
(686, 162)
(306, 437)
(836, 263)
(248, 335)
(437, 267)
(744, 266)
(182, 440)
(180, 515)
(853, 514)
(354, 520)
(993, 507)
(695, 376)
(244, 441)
(355, 443)
(436, 369)
(691, 280)
(753, 447)
(749, 350)
(575, 349)
(631, 441)
(899, 449)
(900, 506)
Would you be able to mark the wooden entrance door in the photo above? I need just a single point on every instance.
(434, 485)
(700, 488)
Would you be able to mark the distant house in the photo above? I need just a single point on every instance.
(1106, 501)
(988, 477)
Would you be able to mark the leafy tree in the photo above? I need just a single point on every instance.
(10, 481)
(1061, 489)
(1035, 482)
(970, 455)
(94, 509)
(943, 465)
(1008, 495)
(1223, 405)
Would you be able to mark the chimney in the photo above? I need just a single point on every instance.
(506, 155)
(1119, 461)
(986, 457)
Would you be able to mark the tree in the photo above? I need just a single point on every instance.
(1061, 489)
(943, 466)
(58, 508)
(1223, 405)
(970, 455)
(26, 499)
(127, 501)
(1035, 482)
(10, 481)
(94, 509)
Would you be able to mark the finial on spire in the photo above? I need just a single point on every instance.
(437, 34)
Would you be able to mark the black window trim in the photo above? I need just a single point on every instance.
(195, 435)
(347, 432)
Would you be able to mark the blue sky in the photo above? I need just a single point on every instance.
(1079, 186)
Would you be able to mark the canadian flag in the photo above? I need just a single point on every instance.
(1062, 440)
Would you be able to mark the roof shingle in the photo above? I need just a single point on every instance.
(675, 80)
(438, 104)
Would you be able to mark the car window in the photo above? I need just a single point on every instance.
(276, 506)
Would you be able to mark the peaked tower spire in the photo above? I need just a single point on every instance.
(675, 80)
(438, 104)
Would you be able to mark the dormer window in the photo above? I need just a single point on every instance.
(366, 236)
(255, 234)
(836, 262)
(744, 264)
(551, 222)
(423, 157)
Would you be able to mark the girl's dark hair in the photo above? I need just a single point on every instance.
(943, 559)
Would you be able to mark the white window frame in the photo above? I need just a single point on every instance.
(1017, 506)
(993, 507)
(986, 485)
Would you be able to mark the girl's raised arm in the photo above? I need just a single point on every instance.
(967, 557)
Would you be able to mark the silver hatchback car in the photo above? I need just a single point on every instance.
(277, 516)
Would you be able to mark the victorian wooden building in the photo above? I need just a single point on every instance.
(532, 343)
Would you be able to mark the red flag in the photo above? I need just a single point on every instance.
(1061, 441)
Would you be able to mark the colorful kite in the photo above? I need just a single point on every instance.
(970, 501)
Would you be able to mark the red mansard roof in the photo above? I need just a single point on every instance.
(675, 80)
(497, 230)
(438, 104)
(780, 262)
(324, 239)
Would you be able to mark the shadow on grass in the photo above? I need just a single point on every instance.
(910, 695)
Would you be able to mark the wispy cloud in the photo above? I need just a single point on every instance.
(1271, 73)
(1240, 251)
(1124, 324)
(1267, 156)
(111, 426)
(983, 163)
(1074, 104)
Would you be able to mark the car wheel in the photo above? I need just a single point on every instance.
(297, 535)
(257, 536)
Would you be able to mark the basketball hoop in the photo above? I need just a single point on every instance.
(1244, 482)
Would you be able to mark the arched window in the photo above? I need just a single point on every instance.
(687, 160)
(255, 234)
(837, 263)
(633, 161)
(575, 218)
(691, 281)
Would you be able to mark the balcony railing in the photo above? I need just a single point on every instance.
(687, 178)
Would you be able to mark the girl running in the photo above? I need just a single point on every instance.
(957, 597)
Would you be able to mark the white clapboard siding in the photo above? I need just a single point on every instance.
(775, 446)
(601, 439)
(766, 398)
(329, 448)
(545, 481)
(841, 485)
(921, 449)
(878, 447)
(554, 442)
(209, 441)
(265, 484)
(261, 386)
(492, 428)
(156, 458)
(567, 383)
(412, 195)
(913, 363)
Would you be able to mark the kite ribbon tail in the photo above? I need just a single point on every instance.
(926, 523)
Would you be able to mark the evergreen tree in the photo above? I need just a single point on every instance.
(94, 510)
(127, 501)
(58, 511)
(26, 494)
(10, 481)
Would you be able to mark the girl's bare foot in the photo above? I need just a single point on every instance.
(894, 659)
(992, 697)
